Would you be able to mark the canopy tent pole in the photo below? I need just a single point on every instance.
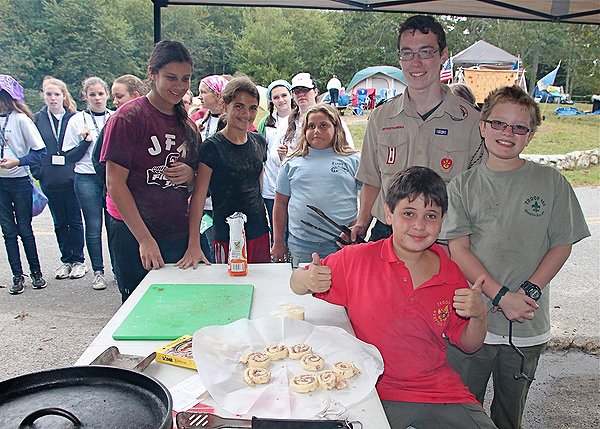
(157, 5)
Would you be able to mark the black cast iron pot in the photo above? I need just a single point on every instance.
(86, 397)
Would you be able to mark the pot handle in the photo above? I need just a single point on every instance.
(31, 418)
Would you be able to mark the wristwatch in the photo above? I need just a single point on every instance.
(533, 291)
(499, 296)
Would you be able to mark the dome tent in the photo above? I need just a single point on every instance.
(378, 77)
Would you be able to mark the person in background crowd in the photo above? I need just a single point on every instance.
(231, 164)
(320, 172)
(21, 146)
(272, 127)
(56, 176)
(145, 143)
(334, 86)
(187, 100)
(81, 136)
(464, 91)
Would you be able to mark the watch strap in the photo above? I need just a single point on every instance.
(499, 296)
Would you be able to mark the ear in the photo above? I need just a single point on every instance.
(444, 55)
(388, 214)
(482, 128)
(529, 138)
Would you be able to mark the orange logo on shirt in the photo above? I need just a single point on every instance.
(442, 313)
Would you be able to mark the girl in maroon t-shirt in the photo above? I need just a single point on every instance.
(151, 148)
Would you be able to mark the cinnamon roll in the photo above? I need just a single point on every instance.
(254, 376)
(299, 350)
(276, 351)
(312, 362)
(256, 360)
(345, 369)
(304, 383)
(330, 380)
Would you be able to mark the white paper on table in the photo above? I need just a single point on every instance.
(217, 349)
(186, 394)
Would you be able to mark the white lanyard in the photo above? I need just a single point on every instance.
(54, 130)
(4, 142)
(89, 112)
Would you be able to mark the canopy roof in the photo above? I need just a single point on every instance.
(483, 53)
(572, 11)
(393, 72)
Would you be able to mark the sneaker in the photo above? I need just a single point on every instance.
(37, 281)
(99, 282)
(17, 286)
(78, 270)
(64, 271)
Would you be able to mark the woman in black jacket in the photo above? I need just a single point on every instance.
(56, 177)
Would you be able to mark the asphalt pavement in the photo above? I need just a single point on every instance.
(49, 328)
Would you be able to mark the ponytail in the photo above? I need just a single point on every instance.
(270, 122)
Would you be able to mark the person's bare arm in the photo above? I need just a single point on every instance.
(193, 255)
(279, 250)
(312, 279)
(469, 303)
(116, 183)
(515, 305)
(550, 265)
(179, 173)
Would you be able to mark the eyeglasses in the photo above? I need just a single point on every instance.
(501, 126)
(423, 54)
(300, 90)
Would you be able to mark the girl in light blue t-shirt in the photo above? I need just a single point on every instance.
(319, 172)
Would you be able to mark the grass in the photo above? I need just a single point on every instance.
(556, 135)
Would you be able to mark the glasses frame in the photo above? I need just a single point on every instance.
(301, 90)
(503, 125)
(423, 54)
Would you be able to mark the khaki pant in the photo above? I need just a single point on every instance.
(419, 415)
(502, 362)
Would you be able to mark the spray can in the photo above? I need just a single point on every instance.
(238, 257)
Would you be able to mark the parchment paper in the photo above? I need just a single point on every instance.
(217, 349)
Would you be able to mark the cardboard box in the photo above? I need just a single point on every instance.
(177, 352)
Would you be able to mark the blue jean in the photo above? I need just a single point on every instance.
(68, 225)
(90, 194)
(128, 268)
(302, 250)
(15, 219)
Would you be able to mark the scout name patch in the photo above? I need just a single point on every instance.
(441, 314)
(441, 132)
(446, 163)
(399, 127)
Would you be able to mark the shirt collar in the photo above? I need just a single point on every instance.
(447, 274)
(451, 104)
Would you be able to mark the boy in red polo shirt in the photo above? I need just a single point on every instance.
(406, 297)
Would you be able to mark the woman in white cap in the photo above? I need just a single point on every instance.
(305, 92)
(273, 127)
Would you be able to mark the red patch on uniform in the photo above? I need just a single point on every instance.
(446, 163)
(391, 158)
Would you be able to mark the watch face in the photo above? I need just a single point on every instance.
(531, 290)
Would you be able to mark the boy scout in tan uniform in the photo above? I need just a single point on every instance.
(427, 125)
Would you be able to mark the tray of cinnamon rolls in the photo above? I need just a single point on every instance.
(282, 367)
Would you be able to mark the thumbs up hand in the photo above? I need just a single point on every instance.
(469, 302)
(319, 275)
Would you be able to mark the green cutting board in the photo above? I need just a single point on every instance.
(168, 311)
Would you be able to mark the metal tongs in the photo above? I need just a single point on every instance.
(191, 420)
(342, 228)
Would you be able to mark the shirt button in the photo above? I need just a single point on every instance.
(419, 152)
(411, 299)
(405, 279)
